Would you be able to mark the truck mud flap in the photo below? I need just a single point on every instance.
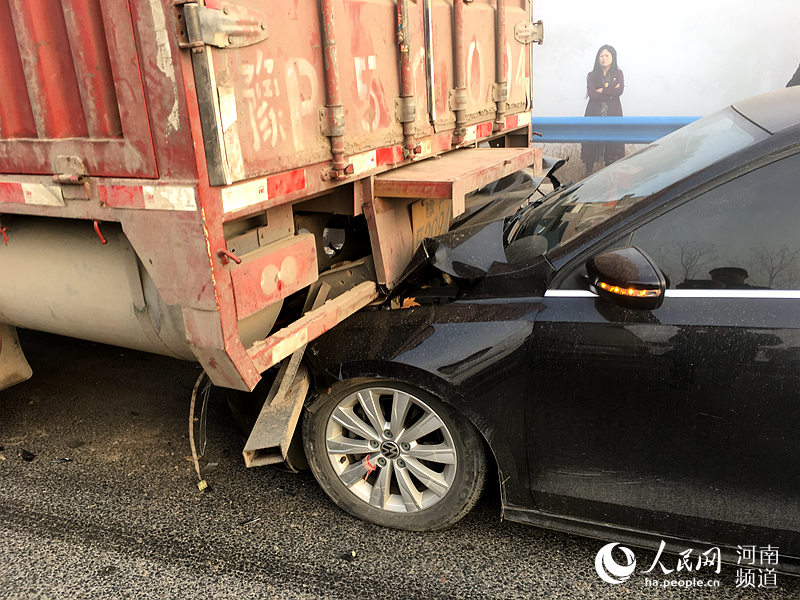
(14, 367)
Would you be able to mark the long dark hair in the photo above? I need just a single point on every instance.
(598, 70)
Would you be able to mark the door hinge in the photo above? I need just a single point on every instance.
(526, 32)
(71, 174)
(230, 26)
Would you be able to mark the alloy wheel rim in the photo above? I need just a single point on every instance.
(391, 450)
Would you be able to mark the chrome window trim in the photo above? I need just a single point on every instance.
(569, 294)
(764, 294)
(772, 294)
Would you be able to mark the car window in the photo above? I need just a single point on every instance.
(744, 234)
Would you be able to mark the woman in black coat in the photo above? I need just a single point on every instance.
(604, 85)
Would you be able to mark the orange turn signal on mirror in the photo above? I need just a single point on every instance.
(628, 291)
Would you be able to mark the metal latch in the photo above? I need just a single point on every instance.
(526, 32)
(405, 109)
(331, 121)
(457, 99)
(229, 26)
(500, 92)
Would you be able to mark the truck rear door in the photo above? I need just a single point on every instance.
(72, 90)
(260, 76)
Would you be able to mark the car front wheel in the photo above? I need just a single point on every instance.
(394, 455)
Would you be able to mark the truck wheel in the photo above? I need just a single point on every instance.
(394, 455)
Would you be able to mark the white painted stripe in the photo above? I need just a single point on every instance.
(523, 119)
(42, 195)
(426, 147)
(472, 133)
(244, 194)
(366, 161)
(169, 197)
(769, 294)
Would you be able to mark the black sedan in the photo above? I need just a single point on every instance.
(623, 354)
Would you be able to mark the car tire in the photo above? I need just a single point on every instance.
(424, 474)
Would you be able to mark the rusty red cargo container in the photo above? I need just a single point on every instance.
(175, 176)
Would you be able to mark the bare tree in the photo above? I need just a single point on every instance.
(775, 262)
(693, 256)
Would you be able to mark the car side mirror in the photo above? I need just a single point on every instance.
(627, 277)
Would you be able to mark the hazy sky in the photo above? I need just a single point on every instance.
(680, 57)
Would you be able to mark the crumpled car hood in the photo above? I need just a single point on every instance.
(476, 241)
(467, 252)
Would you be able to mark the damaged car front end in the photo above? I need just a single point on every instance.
(601, 345)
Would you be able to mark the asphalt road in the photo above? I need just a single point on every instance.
(122, 517)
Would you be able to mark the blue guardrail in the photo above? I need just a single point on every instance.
(630, 130)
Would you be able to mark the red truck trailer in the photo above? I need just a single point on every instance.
(223, 182)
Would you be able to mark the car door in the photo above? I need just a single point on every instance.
(682, 420)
